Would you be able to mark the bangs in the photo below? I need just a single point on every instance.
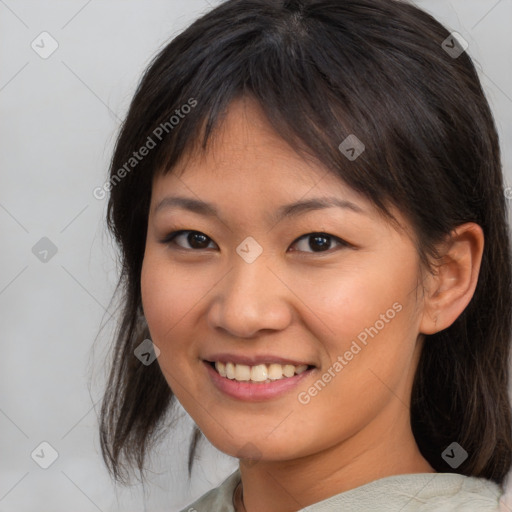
(323, 87)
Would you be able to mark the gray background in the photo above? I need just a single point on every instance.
(60, 116)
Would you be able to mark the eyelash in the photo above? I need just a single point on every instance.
(169, 239)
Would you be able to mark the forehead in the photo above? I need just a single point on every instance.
(248, 166)
(245, 149)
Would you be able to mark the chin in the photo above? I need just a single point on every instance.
(254, 448)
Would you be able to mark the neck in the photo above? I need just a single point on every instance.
(287, 486)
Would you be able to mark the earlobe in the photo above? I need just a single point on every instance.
(451, 288)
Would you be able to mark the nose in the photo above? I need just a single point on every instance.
(251, 299)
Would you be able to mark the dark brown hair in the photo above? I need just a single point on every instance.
(322, 70)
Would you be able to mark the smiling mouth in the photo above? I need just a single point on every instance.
(260, 373)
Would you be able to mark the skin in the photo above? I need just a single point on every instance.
(298, 302)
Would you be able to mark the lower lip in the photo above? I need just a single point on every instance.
(254, 391)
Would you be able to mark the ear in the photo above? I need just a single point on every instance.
(450, 289)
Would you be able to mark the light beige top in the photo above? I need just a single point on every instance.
(415, 492)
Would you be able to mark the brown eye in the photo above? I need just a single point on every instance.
(194, 239)
(311, 242)
(319, 242)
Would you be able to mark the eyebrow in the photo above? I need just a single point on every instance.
(285, 211)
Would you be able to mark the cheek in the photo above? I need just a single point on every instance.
(366, 317)
(346, 302)
(173, 297)
(166, 298)
(156, 293)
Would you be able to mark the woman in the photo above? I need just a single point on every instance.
(309, 203)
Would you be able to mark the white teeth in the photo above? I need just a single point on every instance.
(301, 368)
(230, 370)
(242, 372)
(289, 370)
(221, 368)
(259, 372)
(275, 371)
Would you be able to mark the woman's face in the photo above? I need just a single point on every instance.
(256, 288)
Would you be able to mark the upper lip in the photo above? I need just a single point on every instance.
(254, 360)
